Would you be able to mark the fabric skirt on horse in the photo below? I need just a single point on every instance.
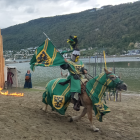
(57, 96)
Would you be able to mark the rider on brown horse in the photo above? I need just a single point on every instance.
(76, 69)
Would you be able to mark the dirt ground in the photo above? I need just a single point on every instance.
(21, 118)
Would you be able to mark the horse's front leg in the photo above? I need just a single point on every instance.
(75, 118)
(89, 113)
(44, 108)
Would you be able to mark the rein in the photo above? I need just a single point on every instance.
(98, 81)
(93, 78)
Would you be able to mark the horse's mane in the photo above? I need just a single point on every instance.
(97, 78)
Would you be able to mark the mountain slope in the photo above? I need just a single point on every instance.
(112, 27)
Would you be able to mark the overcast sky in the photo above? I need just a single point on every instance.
(14, 12)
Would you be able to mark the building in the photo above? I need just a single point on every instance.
(134, 52)
(82, 50)
(99, 9)
(90, 48)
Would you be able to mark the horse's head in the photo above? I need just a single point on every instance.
(114, 81)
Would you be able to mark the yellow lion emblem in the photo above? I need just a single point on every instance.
(58, 101)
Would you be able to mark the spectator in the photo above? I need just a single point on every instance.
(28, 83)
(9, 78)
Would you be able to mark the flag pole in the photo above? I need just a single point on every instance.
(53, 44)
(46, 35)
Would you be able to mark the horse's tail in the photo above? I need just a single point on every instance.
(44, 98)
(45, 94)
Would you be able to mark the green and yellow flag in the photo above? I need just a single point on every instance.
(46, 55)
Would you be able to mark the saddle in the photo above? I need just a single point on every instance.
(77, 102)
(84, 81)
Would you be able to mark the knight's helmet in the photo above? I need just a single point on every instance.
(73, 41)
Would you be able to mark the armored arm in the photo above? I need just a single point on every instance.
(64, 66)
(83, 70)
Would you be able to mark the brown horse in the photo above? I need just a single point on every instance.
(87, 103)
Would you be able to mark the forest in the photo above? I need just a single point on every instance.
(113, 28)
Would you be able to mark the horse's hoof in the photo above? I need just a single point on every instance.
(96, 129)
(70, 119)
(44, 110)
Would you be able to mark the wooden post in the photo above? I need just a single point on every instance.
(109, 96)
(89, 64)
(95, 65)
(116, 96)
(120, 96)
(2, 62)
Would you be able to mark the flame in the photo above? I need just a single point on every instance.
(11, 94)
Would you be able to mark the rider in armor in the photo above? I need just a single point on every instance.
(76, 70)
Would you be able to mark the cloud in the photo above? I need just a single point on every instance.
(4, 22)
(30, 10)
(16, 11)
(15, 3)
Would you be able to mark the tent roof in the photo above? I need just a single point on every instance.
(12, 67)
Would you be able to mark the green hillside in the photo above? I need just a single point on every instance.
(115, 28)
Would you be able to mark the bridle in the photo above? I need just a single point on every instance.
(113, 80)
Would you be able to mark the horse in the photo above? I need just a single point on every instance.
(97, 87)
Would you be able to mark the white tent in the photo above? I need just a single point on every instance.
(14, 78)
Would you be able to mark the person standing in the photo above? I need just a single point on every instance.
(9, 78)
(28, 82)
